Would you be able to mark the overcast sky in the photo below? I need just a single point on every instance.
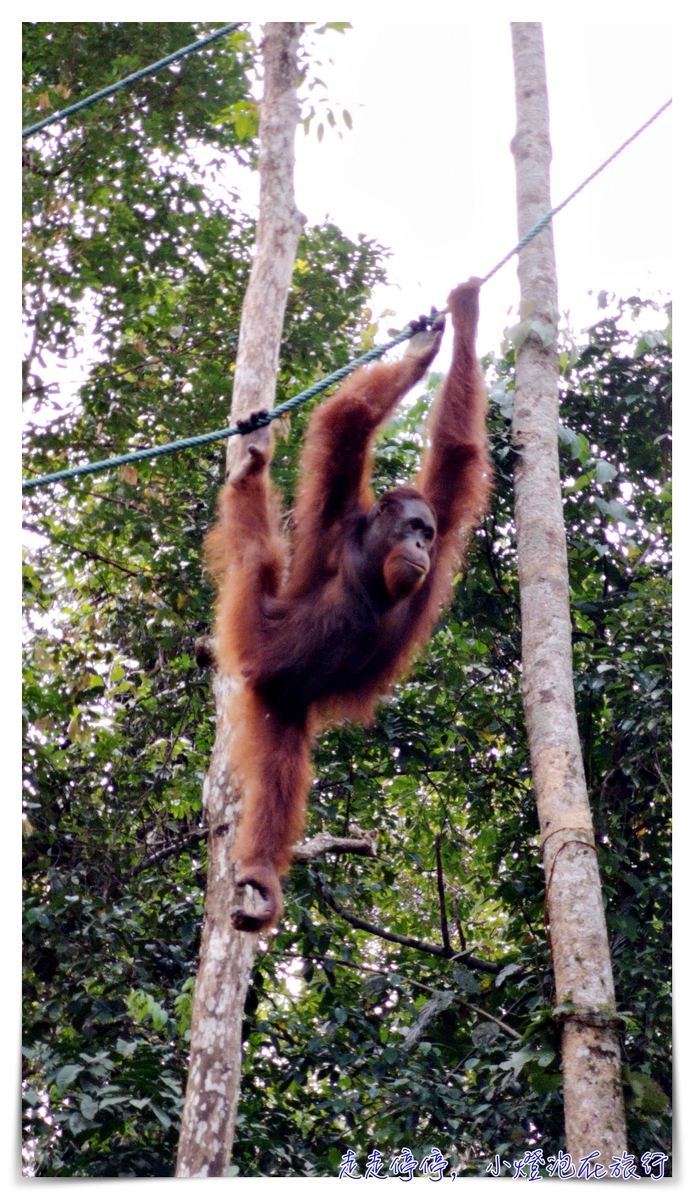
(427, 169)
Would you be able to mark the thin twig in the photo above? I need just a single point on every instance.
(457, 919)
(92, 554)
(440, 893)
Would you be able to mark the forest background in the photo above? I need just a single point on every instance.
(119, 717)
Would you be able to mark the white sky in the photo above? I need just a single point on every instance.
(427, 169)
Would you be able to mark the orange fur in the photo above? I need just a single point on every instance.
(265, 749)
(310, 633)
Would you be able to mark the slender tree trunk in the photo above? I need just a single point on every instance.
(226, 956)
(594, 1112)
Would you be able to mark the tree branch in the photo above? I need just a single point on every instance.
(470, 960)
(157, 856)
(440, 892)
(457, 919)
(323, 843)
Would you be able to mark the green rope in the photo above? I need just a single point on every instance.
(316, 388)
(535, 229)
(116, 87)
(218, 434)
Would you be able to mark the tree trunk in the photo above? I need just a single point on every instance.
(594, 1112)
(226, 956)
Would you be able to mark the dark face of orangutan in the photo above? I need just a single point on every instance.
(399, 537)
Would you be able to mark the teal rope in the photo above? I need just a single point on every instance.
(115, 87)
(218, 434)
(315, 389)
(535, 229)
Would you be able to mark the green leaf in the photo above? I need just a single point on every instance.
(572, 440)
(578, 484)
(36, 916)
(647, 1095)
(517, 334)
(518, 1060)
(545, 331)
(336, 26)
(506, 973)
(67, 1075)
(89, 1107)
(164, 1120)
(604, 471)
(612, 508)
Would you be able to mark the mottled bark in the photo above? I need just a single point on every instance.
(226, 956)
(279, 226)
(323, 843)
(594, 1113)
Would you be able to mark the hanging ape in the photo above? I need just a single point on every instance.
(321, 630)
